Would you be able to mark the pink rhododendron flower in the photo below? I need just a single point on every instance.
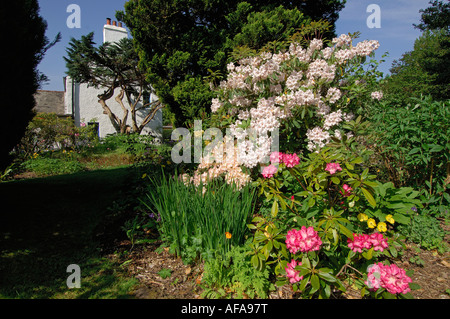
(333, 168)
(364, 241)
(378, 241)
(359, 243)
(304, 240)
(268, 171)
(291, 273)
(347, 190)
(276, 157)
(290, 160)
(390, 277)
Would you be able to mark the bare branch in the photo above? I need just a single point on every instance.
(151, 115)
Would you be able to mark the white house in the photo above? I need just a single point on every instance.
(81, 101)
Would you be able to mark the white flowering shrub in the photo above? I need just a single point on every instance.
(317, 85)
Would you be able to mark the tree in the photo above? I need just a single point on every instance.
(426, 69)
(24, 32)
(437, 16)
(182, 42)
(113, 66)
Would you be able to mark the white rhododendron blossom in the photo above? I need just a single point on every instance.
(222, 161)
(377, 95)
(263, 91)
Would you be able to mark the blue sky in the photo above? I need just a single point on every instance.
(396, 34)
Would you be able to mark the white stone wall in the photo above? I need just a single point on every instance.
(87, 109)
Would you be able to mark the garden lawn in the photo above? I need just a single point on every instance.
(46, 224)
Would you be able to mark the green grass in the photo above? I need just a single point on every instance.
(46, 224)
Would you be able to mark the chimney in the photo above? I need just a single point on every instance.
(113, 32)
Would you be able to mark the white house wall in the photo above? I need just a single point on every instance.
(112, 33)
(86, 108)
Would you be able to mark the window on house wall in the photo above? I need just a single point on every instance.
(146, 97)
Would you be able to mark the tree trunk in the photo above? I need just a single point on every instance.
(112, 117)
(123, 123)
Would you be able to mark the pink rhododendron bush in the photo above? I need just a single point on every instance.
(294, 118)
(335, 221)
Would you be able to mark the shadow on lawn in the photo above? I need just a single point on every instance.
(46, 224)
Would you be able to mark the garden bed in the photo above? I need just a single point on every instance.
(431, 273)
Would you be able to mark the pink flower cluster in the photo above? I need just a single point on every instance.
(333, 168)
(305, 239)
(390, 277)
(291, 273)
(347, 190)
(364, 241)
(290, 160)
(269, 171)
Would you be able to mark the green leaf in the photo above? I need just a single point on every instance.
(255, 261)
(357, 160)
(274, 210)
(414, 151)
(326, 276)
(306, 263)
(281, 282)
(265, 252)
(363, 291)
(401, 219)
(344, 230)
(369, 197)
(303, 283)
(393, 251)
(311, 202)
(335, 180)
(435, 148)
(368, 254)
(315, 283)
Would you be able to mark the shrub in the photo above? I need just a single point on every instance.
(424, 230)
(333, 215)
(412, 141)
(48, 132)
(233, 275)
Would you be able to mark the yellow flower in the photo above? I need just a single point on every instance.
(390, 219)
(169, 162)
(144, 175)
(382, 227)
(371, 223)
(362, 217)
(227, 235)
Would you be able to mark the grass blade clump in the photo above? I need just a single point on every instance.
(197, 221)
